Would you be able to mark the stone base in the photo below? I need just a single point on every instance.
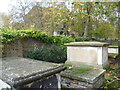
(46, 83)
(71, 83)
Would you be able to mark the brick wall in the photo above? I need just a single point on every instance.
(19, 47)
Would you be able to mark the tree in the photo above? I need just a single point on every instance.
(87, 19)
(5, 20)
(87, 23)
(95, 13)
(118, 29)
(20, 9)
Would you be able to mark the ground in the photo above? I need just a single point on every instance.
(112, 75)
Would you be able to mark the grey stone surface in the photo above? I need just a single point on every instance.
(97, 44)
(3, 85)
(19, 47)
(113, 50)
(20, 71)
(72, 83)
(95, 53)
(91, 78)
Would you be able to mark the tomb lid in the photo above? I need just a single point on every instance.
(20, 71)
(97, 44)
(83, 72)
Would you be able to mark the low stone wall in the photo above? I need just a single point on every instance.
(112, 49)
(19, 47)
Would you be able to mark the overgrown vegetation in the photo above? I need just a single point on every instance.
(9, 35)
(52, 53)
(55, 53)
(112, 77)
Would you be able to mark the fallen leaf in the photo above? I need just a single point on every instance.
(106, 88)
(95, 68)
(107, 74)
(108, 81)
(70, 67)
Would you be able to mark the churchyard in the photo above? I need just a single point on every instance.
(56, 64)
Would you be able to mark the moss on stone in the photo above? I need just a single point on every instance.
(73, 69)
(77, 70)
(87, 44)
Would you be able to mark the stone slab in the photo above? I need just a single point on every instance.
(4, 85)
(92, 77)
(113, 50)
(20, 71)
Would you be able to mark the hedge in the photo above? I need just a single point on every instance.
(11, 35)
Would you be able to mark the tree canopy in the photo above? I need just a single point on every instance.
(83, 19)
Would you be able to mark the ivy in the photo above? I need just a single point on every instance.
(12, 35)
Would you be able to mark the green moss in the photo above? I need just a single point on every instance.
(67, 64)
(88, 43)
(76, 70)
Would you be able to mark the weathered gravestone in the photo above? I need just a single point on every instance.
(95, 53)
(86, 60)
(20, 73)
(82, 76)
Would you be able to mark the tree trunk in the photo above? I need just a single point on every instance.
(87, 19)
(86, 28)
(118, 29)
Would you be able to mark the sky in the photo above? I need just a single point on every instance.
(5, 4)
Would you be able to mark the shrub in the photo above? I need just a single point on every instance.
(52, 53)
(11, 35)
(79, 39)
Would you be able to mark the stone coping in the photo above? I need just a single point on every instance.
(113, 46)
(20, 71)
(97, 44)
(90, 76)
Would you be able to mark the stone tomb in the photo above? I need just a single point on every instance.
(85, 61)
(95, 53)
(79, 75)
(19, 73)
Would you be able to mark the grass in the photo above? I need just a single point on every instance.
(112, 79)
(112, 76)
